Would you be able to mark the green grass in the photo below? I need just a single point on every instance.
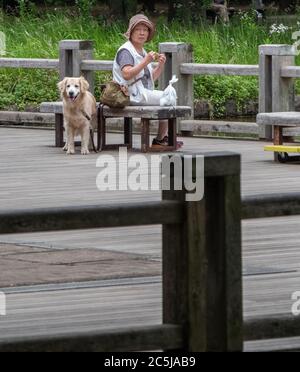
(38, 37)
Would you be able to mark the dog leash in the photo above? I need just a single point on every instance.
(92, 140)
(101, 120)
(91, 130)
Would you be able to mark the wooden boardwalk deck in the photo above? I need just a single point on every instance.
(34, 174)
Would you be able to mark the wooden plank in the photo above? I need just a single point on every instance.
(283, 89)
(128, 132)
(286, 119)
(170, 47)
(264, 206)
(265, 90)
(290, 71)
(175, 264)
(29, 63)
(232, 264)
(278, 135)
(224, 329)
(145, 133)
(197, 275)
(205, 126)
(272, 327)
(92, 65)
(76, 44)
(52, 107)
(172, 133)
(277, 50)
(17, 117)
(214, 69)
(147, 112)
(59, 130)
(126, 339)
(281, 345)
(90, 217)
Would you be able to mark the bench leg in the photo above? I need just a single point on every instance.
(278, 135)
(128, 132)
(278, 139)
(59, 130)
(172, 135)
(102, 133)
(145, 133)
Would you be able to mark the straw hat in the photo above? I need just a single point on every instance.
(137, 19)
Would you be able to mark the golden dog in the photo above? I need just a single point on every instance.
(80, 112)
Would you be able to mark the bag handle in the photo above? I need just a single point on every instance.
(136, 81)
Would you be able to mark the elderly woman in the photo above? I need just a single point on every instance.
(133, 68)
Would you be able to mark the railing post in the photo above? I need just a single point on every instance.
(71, 54)
(202, 266)
(176, 54)
(276, 94)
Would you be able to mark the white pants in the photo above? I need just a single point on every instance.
(152, 98)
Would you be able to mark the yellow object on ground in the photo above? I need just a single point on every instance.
(287, 149)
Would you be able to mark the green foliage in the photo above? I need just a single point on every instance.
(85, 7)
(220, 89)
(26, 9)
(189, 11)
(21, 89)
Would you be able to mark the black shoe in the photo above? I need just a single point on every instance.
(165, 142)
(157, 142)
(179, 144)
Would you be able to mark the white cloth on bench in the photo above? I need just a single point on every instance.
(150, 98)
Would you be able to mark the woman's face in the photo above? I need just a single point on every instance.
(140, 34)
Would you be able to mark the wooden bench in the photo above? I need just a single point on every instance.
(145, 113)
(280, 121)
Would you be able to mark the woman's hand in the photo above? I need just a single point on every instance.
(160, 67)
(151, 57)
(162, 59)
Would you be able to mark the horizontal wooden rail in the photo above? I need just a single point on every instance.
(92, 65)
(264, 206)
(207, 69)
(29, 63)
(290, 72)
(271, 327)
(159, 337)
(88, 217)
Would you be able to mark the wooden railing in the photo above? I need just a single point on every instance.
(202, 265)
(209, 69)
(29, 63)
(276, 71)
